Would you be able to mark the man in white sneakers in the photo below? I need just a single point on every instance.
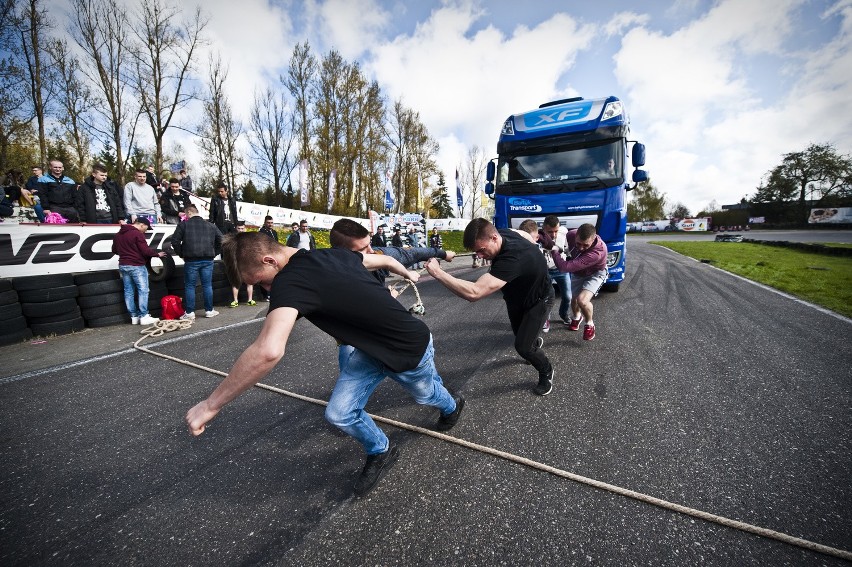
(197, 242)
(133, 253)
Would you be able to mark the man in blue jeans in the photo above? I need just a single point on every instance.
(556, 233)
(197, 242)
(133, 253)
(334, 290)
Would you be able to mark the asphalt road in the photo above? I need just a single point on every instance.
(699, 389)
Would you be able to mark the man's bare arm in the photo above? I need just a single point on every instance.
(249, 369)
(471, 291)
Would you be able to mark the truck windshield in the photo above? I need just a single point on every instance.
(601, 162)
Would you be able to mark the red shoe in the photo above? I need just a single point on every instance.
(588, 332)
(574, 325)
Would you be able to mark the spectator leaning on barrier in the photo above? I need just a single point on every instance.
(58, 192)
(140, 199)
(174, 202)
(98, 200)
(133, 253)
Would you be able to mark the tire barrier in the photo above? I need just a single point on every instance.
(58, 304)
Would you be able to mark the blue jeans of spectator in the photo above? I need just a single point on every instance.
(39, 211)
(360, 374)
(135, 280)
(563, 284)
(192, 271)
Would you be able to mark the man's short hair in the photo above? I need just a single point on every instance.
(344, 231)
(477, 229)
(140, 171)
(586, 231)
(182, 171)
(267, 217)
(191, 209)
(242, 249)
(551, 221)
(530, 226)
(221, 185)
(174, 180)
(99, 167)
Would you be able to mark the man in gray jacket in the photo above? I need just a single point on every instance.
(197, 242)
(140, 199)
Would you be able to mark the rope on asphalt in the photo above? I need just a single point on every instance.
(167, 326)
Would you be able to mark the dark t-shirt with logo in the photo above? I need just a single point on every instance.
(332, 289)
(520, 264)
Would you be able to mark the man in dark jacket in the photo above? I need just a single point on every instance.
(197, 242)
(97, 200)
(174, 202)
(133, 253)
(223, 210)
(303, 238)
(268, 228)
(58, 192)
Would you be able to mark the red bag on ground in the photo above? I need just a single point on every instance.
(172, 307)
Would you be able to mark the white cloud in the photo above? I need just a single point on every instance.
(349, 26)
(465, 84)
(688, 96)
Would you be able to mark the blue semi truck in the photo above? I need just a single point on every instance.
(568, 158)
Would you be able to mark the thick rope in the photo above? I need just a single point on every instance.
(166, 326)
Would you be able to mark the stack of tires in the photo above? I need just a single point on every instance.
(14, 327)
(102, 298)
(49, 304)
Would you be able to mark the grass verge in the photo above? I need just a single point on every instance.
(823, 280)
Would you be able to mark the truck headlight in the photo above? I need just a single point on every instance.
(611, 110)
(612, 258)
(508, 128)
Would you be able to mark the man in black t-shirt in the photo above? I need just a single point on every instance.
(334, 290)
(519, 270)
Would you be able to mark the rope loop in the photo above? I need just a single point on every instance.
(166, 326)
(418, 308)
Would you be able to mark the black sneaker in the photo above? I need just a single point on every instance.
(375, 469)
(446, 422)
(545, 383)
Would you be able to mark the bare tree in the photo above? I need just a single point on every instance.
(75, 101)
(15, 112)
(99, 28)
(271, 137)
(300, 75)
(33, 24)
(414, 150)
(164, 53)
(472, 181)
(219, 129)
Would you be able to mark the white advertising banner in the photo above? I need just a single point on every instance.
(831, 215)
(39, 249)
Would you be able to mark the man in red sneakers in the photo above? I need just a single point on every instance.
(587, 265)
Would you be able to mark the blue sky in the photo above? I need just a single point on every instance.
(717, 91)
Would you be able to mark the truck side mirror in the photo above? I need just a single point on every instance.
(489, 189)
(489, 175)
(638, 154)
(640, 175)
